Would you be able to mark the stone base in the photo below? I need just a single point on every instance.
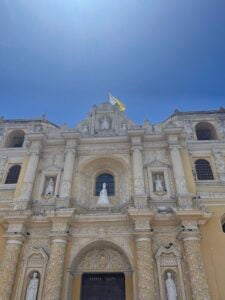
(185, 202)
(140, 201)
(103, 208)
(63, 202)
(21, 204)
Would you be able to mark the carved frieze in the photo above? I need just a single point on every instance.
(103, 260)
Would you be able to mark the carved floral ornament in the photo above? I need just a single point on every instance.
(103, 260)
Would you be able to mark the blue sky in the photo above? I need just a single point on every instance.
(59, 57)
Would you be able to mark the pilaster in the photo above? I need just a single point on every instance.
(55, 267)
(66, 185)
(197, 275)
(15, 237)
(140, 197)
(184, 197)
(23, 200)
(145, 268)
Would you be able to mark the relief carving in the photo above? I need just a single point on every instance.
(103, 260)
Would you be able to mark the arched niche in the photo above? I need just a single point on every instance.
(163, 170)
(205, 131)
(15, 139)
(100, 256)
(34, 261)
(88, 172)
(169, 260)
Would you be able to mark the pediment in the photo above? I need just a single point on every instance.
(167, 251)
(157, 164)
(105, 120)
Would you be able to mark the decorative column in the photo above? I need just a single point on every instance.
(15, 238)
(55, 268)
(140, 197)
(191, 240)
(178, 169)
(145, 268)
(146, 288)
(23, 201)
(139, 188)
(66, 185)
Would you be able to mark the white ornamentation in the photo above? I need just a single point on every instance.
(220, 164)
(99, 260)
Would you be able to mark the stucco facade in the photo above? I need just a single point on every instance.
(162, 216)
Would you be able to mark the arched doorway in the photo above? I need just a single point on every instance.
(101, 271)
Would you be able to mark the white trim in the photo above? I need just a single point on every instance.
(14, 242)
(142, 239)
(59, 241)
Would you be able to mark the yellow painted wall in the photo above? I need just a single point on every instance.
(213, 249)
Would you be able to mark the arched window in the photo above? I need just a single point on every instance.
(13, 174)
(205, 131)
(15, 139)
(203, 170)
(110, 185)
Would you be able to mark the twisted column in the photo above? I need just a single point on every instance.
(146, 285)
(196, 268)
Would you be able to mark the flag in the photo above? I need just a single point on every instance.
(114, 101)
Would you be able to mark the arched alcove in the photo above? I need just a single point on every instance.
(205, 131)
(84, 188)
(15, 139)
(98, 257)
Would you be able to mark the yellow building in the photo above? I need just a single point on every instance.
(111, 210)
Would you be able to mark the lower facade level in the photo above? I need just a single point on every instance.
(141, 255)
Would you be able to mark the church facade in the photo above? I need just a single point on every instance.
(113, 210)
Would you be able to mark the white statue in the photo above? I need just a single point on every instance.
(159, 184)
(32, 289)
(103, 197)
(105, 123)
(124, 126)
(85, 128)
(170, 288)
(50, 188)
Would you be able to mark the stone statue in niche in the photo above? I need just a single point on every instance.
(103, 197)
(170, 288)
(50, 188)
(124, 126)
(32, 288)
(85, 128)
(105, 124)
(159, 183)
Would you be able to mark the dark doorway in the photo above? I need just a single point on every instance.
(107, 286)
